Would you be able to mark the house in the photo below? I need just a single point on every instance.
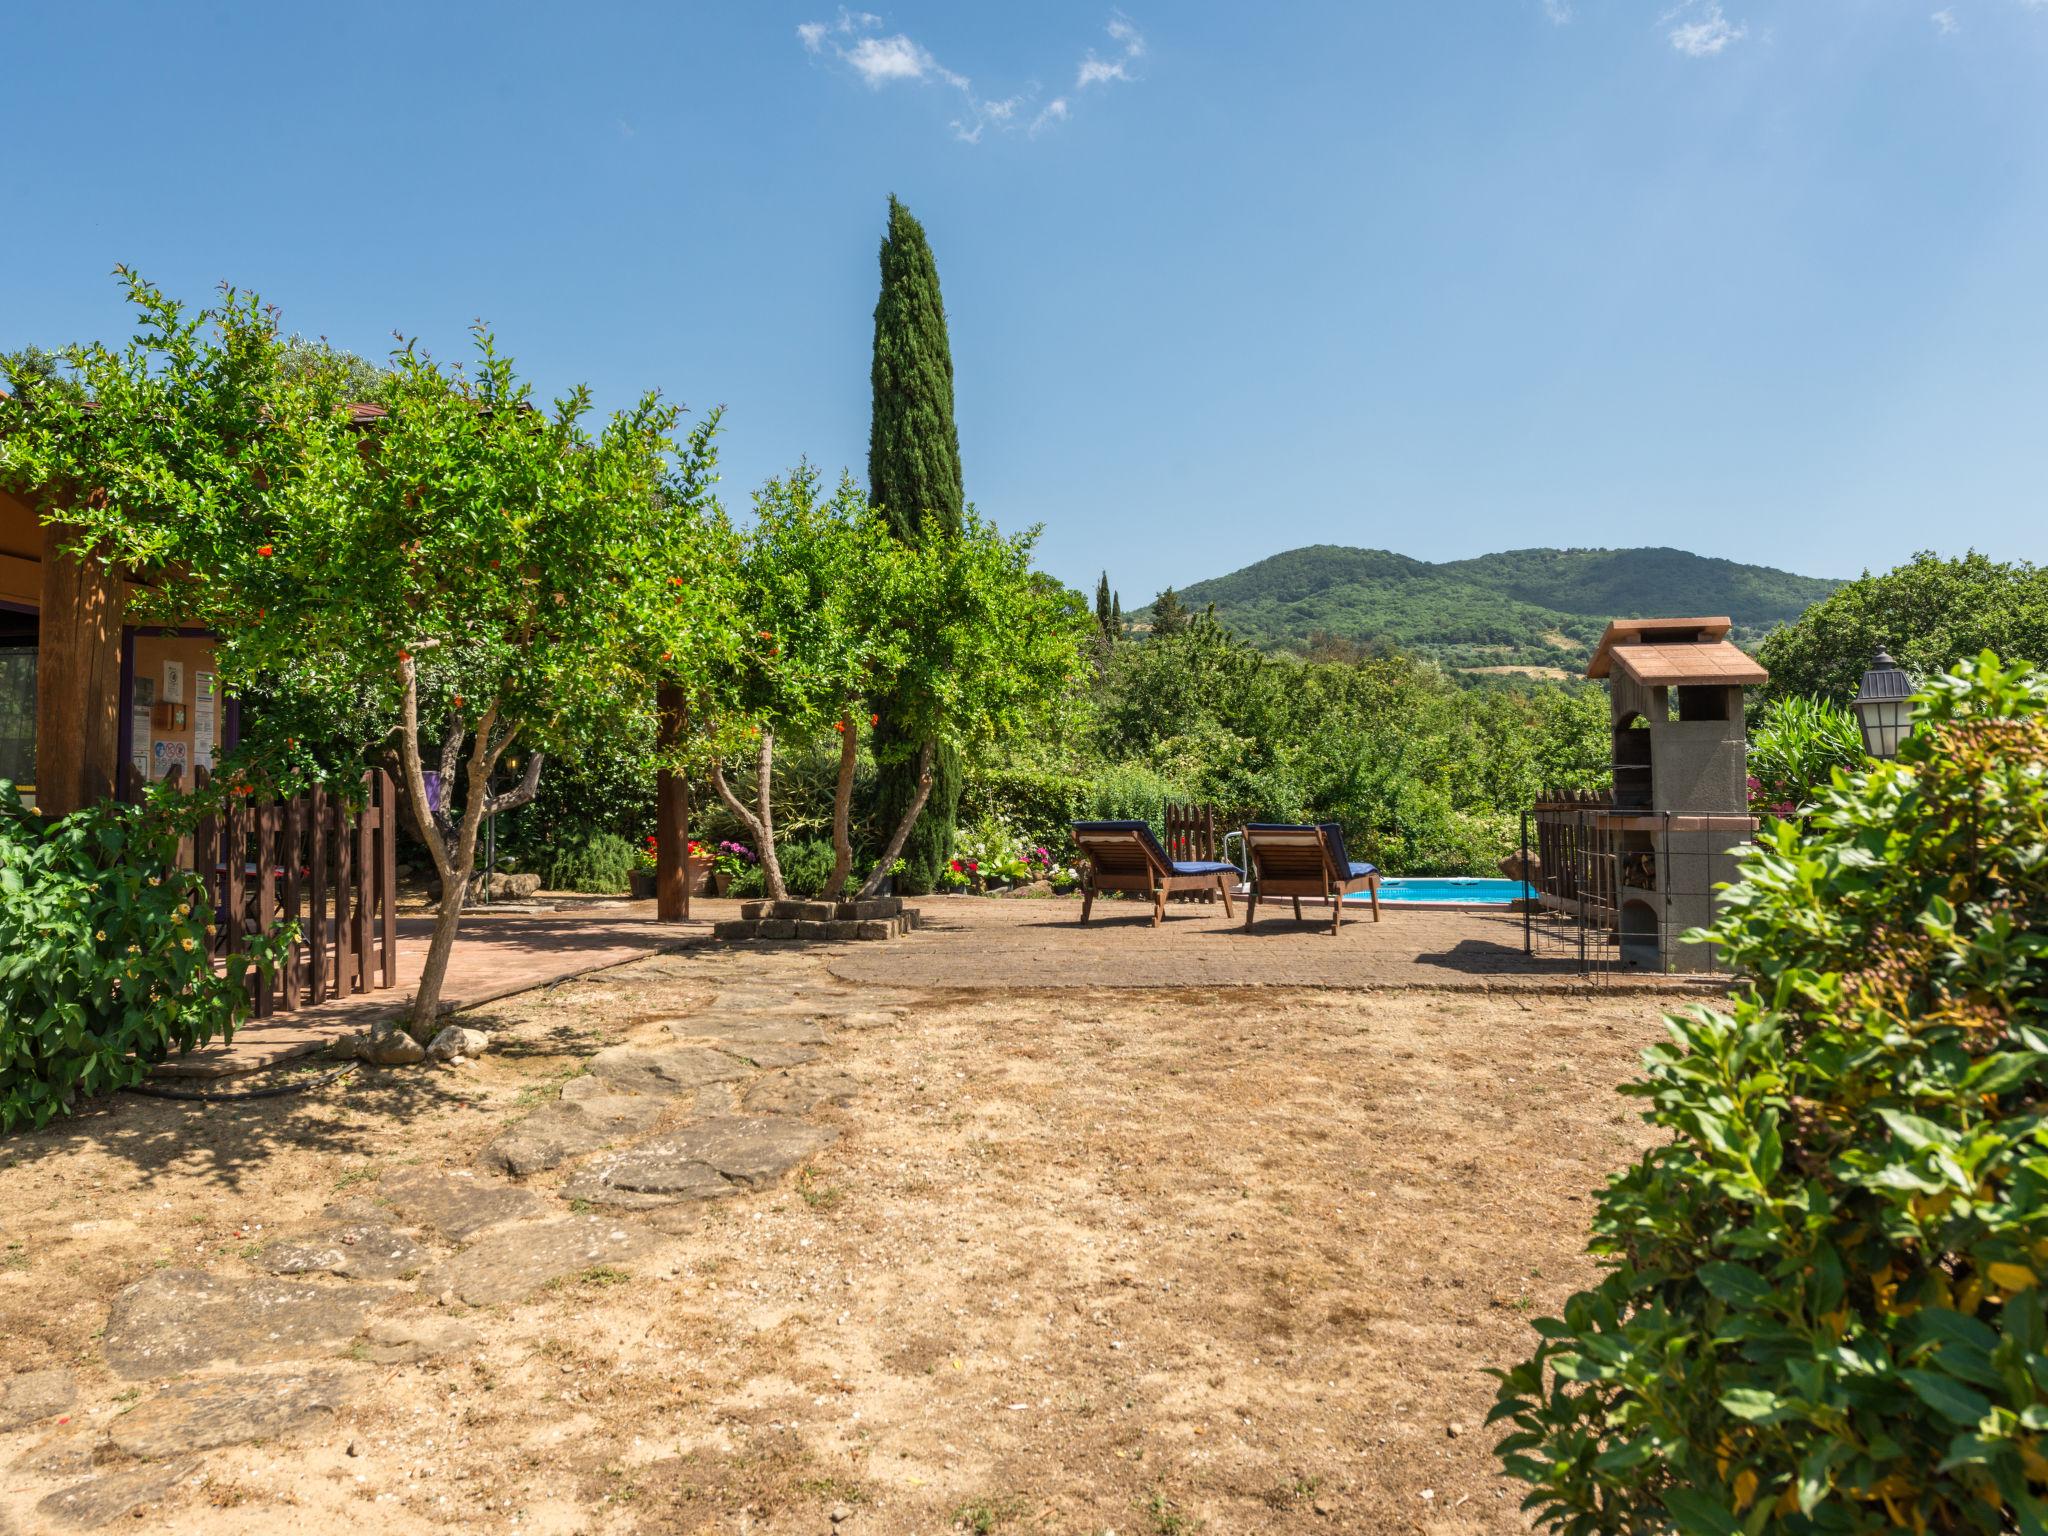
(90, 705)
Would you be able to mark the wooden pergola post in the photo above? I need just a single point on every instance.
(672, 815)
(78, 678)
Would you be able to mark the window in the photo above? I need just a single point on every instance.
(17, 711)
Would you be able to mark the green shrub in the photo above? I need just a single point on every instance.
(1041, 804)
(103, 955)
(1797, 745)
(601, 863)
(1825, 1310)
(749, 882)
(806, 863)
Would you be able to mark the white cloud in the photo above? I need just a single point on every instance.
(1096, 70)
(1708, 33)
(881, 60)
(1557, 12)
(1945, 21)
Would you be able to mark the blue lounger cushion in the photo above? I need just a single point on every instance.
(1145, 834)
(1333, 839)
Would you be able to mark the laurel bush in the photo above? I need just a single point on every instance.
(1824, 1310)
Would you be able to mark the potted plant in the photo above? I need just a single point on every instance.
(729, 861)
(640, 879)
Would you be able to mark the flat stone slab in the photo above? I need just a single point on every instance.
(178, 1320)
(403, 1340)
(745, 1029)
(227, 1410)
(363, 1252)
(644, 1178)
(458, 1204)
(665, 1072)
(505, 1266)
(556, 1132)
(29, 1397)
(798, 1093)
(100, 1501)
(772, 1053)
(748, 1149)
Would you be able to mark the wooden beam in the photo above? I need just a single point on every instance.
(672, 817)
(78, 678)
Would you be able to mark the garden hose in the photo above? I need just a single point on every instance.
(274, 1091)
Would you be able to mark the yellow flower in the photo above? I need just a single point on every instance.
(186, 943)
(101, 935)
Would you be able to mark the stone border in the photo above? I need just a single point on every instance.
(883, 917)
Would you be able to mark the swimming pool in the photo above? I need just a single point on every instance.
(1419, 891)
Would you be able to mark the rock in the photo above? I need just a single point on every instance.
(454, 1041)
(227, 1410)
(747, 1029)
(363, 1252)
(181, 1319)
(1029, 888)
(733, 929)
(100, 1501)
(798, 1093)
(1514, 867)
(29, 1397)
(458, 1204)
(505, 1266)
(403, 1340)
(646, 1177)
(383, 1045)
(665, 1072)
(775, 928)
(841, 1513)
(568, 1127)
(773, 1053)
(749, 1150)
(523, 887)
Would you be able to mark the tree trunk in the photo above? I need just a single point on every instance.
(890, 854)
(842, 810)
(454, 865)
(762, 825)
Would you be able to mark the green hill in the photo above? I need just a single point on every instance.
(1524, 607)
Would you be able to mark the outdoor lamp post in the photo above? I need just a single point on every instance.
(1883, 712)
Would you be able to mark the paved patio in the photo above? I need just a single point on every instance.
(1039, 942)
(496, 955)
(969, 942)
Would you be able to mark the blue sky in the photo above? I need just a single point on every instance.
(1760, 278)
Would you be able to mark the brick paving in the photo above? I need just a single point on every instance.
(1027, 942)
(496, 955)
(970, 942)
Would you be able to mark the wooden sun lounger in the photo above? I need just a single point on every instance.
(1305, 861)
(1125, 856)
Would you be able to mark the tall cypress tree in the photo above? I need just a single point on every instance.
(1102, 611)
(914, 476)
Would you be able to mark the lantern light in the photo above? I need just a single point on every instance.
(1884, 711)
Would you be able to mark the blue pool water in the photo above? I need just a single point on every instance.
(1461, 892)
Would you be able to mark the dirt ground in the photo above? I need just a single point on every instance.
(1131, 1262)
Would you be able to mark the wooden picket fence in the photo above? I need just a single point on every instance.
(317, 859)
(1191, 834)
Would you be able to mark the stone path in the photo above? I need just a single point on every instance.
(690, 1108)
